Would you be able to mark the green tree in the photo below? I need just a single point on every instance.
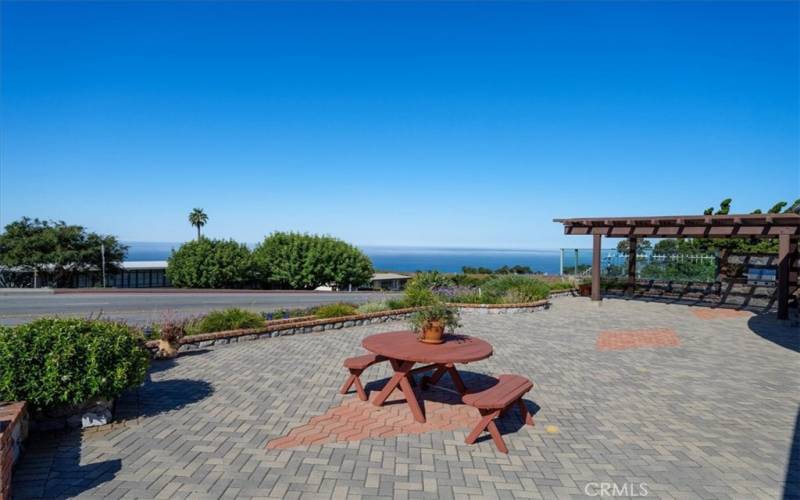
(743, 245)
(198, 219)
(210, 263)
(776, 208)
(57, 249)
(641, 246)
(306, 261)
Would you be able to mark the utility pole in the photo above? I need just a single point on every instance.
(103, 260)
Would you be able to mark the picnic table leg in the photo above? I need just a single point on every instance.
(433, 379)
(401, 377)
(524, 413)
(487, 422)
(411, 399)
(456, 378)
(440, 371)
(392, 384)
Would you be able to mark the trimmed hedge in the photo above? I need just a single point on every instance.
(53, 363)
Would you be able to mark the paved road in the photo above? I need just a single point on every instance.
(145, 308)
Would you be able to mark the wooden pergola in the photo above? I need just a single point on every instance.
(784, 227)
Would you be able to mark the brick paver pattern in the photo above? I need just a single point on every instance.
(637, 339)
(713, 417)
(355, 420)
(719, 313)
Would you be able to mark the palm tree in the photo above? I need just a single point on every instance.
(198, 218)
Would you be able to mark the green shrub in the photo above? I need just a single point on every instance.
(53, 363)
(207, 263)
(335, 310)
(416, 297)
(223, 320)
(561, 285)
(306, 261)
(429, 281)
(473, 280)
(513, 289)
(372, 307)
(289, 313)
(467, 298)
(396, 304)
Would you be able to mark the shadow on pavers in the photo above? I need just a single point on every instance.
(445, 392)
(50, 467)
(161, 365)
(791, 488)
(769, 328)
(154, 398)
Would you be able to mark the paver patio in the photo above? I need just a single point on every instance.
(711, 415)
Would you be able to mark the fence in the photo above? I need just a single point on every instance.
(649, 266)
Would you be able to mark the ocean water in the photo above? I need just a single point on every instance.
(409, 259)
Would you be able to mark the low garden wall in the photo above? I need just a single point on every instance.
(503, 308)
(13, 430)
(294, 326)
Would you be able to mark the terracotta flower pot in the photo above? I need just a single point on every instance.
(167, 350)
(432, 332)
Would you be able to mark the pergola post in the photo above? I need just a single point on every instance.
(631, 265)
(596, 267)
(784, 265)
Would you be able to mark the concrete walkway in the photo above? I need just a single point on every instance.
(634, 397)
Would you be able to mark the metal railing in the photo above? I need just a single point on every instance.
(649, 266)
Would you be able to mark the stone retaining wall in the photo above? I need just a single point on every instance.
(503, 308)
(13, 430)
(291, 326)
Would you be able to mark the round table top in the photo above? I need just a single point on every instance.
(405, 346)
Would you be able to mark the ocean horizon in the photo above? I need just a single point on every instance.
(415, 258)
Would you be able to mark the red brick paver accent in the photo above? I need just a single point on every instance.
(707, 313)
(355, 420)
(615, 340)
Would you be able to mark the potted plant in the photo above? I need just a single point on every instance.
(171, 334)
(431, 322)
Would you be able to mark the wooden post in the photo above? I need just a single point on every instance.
(784, 263)
(631, 265)
(596, 267)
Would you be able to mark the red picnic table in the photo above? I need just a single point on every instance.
(404, 350)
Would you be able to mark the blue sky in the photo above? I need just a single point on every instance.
(444, 123)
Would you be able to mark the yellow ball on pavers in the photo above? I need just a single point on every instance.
(551, 429)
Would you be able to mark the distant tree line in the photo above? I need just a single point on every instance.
(499, 270)
(59, 252)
